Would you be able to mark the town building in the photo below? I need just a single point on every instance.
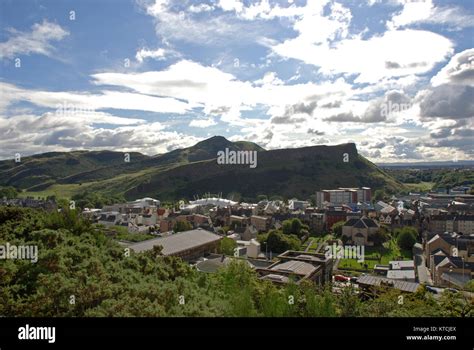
(360, 231)
(298, 266)
(261, 223)
(451, 271)
(188, 245)
(371, 285)
(343, 195)
(398, 270)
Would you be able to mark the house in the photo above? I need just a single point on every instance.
(188, 245)
(449, 244)
(380, 205)
(295, 204)
(199, 220)
(249, 249)
(317, 222)
(298, 266)
(214, 262)
(167, 224)
(359, 231)
(110, 218)
(373, 284)
(253, 249)
(333, 216)
(246, 233)
(448, 270)
(464, 224)
(441, 223)
(398, 270)
(238, 220)
(272, 207)
(261, 223)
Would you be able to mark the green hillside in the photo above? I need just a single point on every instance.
(287, 172)
(194, 171)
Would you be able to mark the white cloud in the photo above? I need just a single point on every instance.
(37, 41)
(215, 90)
(198, 8)
(202, 123)
(425, 11)
(394, 54)
(231, 5)
(30, 134)
(158, 54)
(459, 70)
(89, 101)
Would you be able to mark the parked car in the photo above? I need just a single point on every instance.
(341, 278)
(431, 290)
(353, 279)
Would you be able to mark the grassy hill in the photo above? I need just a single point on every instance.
(186, 172)
(286, 172)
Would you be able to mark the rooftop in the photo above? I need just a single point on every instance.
(178, 242)
(380, 281)
(401, 274)
(297, 267)
(402, 265)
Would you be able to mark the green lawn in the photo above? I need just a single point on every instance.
(420, 187)
(315, 242)
(390, 251)
(58, 190)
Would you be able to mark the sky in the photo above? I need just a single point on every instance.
(396, 77)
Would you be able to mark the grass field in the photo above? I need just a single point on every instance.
(420, 187)
(60, 191)
(390, 251)
(314, 242)
(66, 191)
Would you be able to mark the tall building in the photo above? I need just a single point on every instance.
(343, 195)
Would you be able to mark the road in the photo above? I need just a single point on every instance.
(422, 271)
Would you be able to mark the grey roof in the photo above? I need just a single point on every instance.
(361, 223)
(401, 274)
(276, 278)
(351, 222)
(456, 278)
(292, 266)
(380, 281)
(402, 264)
(178, 242)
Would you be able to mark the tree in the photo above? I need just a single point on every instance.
(181, 226)
(8, 192)
(470, 286)
(380, 237)
(406, 239)
(379, 195)
(278, 242)
(337, 228)
(294, 227)
(81, 260)
(227, 246)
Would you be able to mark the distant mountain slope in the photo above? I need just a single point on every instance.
(286, 172)
(43, 170)
(194, 171)
(49, 168)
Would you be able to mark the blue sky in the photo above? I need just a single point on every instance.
(396, 77)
